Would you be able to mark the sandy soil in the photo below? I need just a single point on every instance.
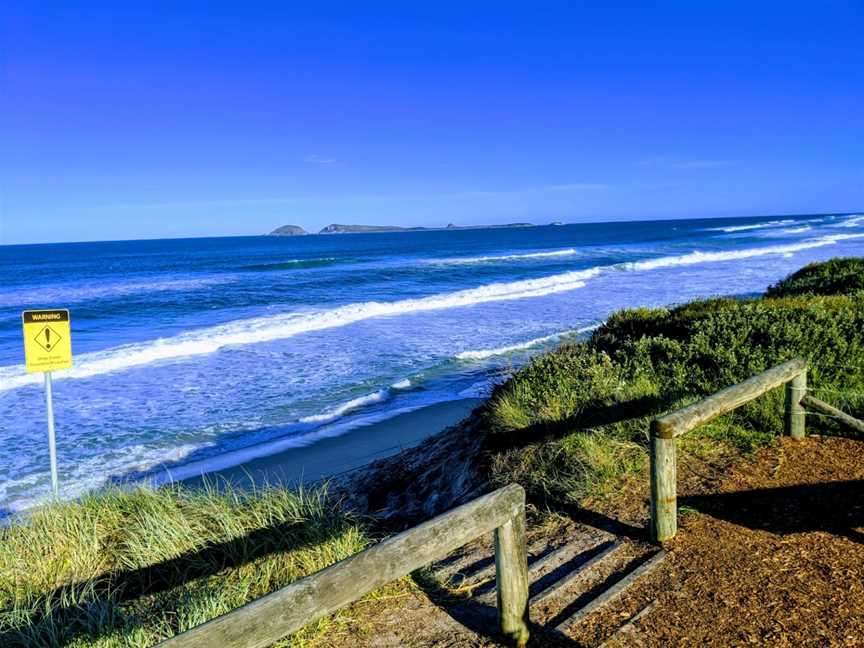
(770, 552)
(775, 556)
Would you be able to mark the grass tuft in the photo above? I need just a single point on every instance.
(130, 568)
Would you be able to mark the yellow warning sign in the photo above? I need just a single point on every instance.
(47, 340)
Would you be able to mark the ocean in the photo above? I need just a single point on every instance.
(197, 353)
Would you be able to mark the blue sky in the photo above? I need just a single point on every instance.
(146, 120)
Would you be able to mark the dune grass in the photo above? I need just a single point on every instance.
(132, 568)
(584, 409)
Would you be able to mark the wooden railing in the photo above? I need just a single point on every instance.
(664, 430)
(268, 619)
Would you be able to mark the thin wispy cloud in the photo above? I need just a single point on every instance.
(679, 163)
(576, 187)
(703, 164)
(322, 160)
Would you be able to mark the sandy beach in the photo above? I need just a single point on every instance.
(350, 451)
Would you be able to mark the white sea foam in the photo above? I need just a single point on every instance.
(506, 257)
(853, 220)
(340, 410)
(833, 238)
(269, 448)
(328, 430)
(405, 383)
(797, 230)
(278, 327)
(488, 353)
(743, 228)
(481, 389)
(696, 257)
(90, 472)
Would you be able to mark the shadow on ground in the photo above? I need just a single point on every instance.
(479, 613)
(833, 507)
(482, 618)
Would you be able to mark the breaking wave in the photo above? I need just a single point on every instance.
(278, 327)
(731, 255)
(854, 220)
(75, 294)
(292, 264)
(506, 257)
(488, 353)
(744, 228)
(344, 408)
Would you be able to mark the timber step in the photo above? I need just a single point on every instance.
(550, 577)
(605, 593)
(628, 633)
(474, 567)
(566, 583)
(584, 567)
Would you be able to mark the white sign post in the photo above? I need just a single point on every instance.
(52, 440)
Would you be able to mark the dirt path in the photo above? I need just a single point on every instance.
(769, 553)
(774, 556)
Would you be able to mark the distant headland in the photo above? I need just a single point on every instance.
(296, 230)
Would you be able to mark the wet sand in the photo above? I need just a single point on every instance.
(350, 451)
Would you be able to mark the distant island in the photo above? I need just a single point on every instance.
(288, 230)
(296, 230)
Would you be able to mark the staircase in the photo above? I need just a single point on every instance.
(571, 583)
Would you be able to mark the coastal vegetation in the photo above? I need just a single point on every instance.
(834, 277)
(576, 420)
(131, 567)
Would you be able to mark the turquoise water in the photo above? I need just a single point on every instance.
(201, 353)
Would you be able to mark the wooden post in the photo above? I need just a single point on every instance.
(511, 574)
(820, 406)
(664, 505)
(793, 374)
(795, 413)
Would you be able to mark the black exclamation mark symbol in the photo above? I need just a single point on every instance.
(48, 339)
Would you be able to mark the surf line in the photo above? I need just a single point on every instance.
(277, 327)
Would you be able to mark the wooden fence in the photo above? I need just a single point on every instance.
(664, 430)
(270, 618)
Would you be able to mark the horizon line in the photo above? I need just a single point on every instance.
(426, 229)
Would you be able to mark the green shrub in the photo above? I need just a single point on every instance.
(834, 277)
(701, 347)
(653, 360)
(554, 387)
